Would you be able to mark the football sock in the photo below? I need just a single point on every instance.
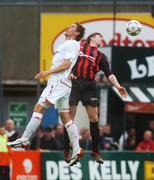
(66, 140)
(73, 135)
(33, 124)
(94, 131)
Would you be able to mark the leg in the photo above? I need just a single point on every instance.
(73, 109)
(71, 129)
(35, 121)
(73, 101)
(94, 131)
(73, 137)
(31, 127)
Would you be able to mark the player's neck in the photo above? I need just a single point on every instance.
(69, 38)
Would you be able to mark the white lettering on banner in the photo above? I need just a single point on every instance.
(106, 170)
(61, 170)
(137, 72)
(150, 62)
(93, 170)
(51, 170)
(76, 172)
(109, 171)
(27, 177)
(133, 166)
(124, 174)
(142, 70)
(115, 175)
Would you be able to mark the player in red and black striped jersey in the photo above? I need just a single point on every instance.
(90, 61)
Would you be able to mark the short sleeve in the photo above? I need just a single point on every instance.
(104, 66)
(71, 50)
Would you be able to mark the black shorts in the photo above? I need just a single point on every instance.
(84, 90)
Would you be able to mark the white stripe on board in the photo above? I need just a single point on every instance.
(139, 94)
(151, 91)
(127, 99)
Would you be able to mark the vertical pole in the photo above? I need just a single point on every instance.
(38, 52)
(114, 16)
(1, 86)
(124, 126)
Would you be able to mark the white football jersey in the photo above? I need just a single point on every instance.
(68, 50)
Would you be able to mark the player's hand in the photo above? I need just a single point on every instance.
(122, 91)
(72, 76)
(41, 74)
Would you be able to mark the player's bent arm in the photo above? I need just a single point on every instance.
(114, 81)
(62, 67)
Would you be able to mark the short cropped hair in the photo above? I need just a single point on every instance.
(91, 35)
(81, 30)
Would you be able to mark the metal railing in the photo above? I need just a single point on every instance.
(77, 2)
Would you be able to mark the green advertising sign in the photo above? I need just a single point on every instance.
(18, 112)
(117, 166)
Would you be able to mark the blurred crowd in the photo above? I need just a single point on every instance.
(52, 138)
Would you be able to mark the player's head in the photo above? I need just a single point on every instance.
(9, 125)
(2, 129)
(75, 31)
(95, 39)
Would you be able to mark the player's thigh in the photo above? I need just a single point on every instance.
(60, 91)
(76, 92)
(43, 97)
(89, 97)
(64, 108)
(63, 103)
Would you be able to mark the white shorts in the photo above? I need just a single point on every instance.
(57, 93)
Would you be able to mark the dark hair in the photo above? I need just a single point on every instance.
(91, 35)
(81, 30)
(48, 129)
(41, 128)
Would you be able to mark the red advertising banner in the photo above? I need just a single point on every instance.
(139, 107)
(26, 165)
(4, 159)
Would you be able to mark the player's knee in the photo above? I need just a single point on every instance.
(37, 115)
(62, 115)
(93, 117)
(65, 116)
(39, 108)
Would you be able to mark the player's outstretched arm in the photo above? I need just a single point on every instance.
(63, 66)
(115, 83)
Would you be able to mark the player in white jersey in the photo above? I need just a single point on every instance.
(58, 90)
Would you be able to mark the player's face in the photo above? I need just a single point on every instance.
(2, 130)
(98, 39)
(71, 31)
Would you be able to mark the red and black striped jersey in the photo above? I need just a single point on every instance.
(89, 62)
